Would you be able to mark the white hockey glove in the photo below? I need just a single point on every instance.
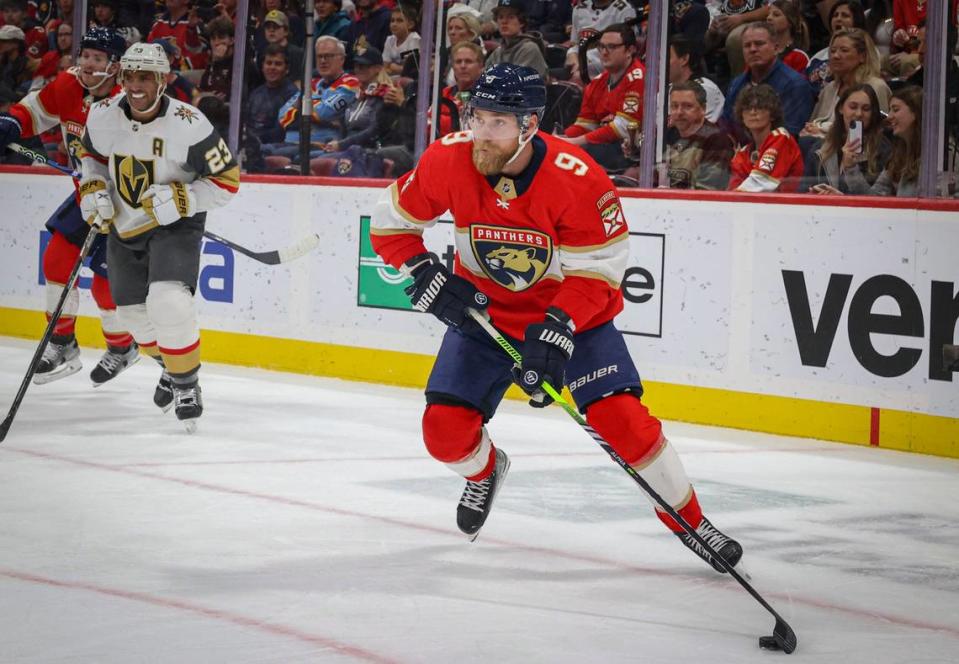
(96, 203)
(167, 203)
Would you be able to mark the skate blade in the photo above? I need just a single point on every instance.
(131, 363)
(189, 425)
(499, 485)
(742, 571)
(167, 408)
(67, 369)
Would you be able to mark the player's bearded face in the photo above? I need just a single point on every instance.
(495, 139)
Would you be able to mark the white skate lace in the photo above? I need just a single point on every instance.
(185, 397)
(52, 353)
(110, 361)
(475, 494)
(713, 538)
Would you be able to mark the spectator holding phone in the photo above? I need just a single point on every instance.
(855, 139)
(771, 161)
(901, 174)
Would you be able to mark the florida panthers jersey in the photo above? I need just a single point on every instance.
(62, 101)
(553, 235)
(179, 145)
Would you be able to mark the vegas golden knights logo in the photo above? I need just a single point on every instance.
(133, 176)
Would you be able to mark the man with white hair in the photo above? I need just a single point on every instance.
(152, 168)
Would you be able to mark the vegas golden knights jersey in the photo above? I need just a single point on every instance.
(179, 145)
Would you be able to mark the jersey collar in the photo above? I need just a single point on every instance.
(509, 187)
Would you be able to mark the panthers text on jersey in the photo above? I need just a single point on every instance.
(178, 145)
(554, 235)
(63, 100)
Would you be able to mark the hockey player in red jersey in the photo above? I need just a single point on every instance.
(66, 101)
(542, 246)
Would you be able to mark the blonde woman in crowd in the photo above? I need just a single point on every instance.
(852, 60)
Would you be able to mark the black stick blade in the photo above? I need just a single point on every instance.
(785, 636)
(5, 427)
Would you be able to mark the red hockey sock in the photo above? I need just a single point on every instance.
(455, 436)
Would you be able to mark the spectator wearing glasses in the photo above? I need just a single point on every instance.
(517, 47)
(762, 66)
(826, 167)
(771, 160)
(612, 101)
(591, 16)
(331, 93)
(686, 64)
(901, 174)
(697, 152)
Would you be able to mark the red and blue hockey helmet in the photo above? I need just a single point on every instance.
(103, 39)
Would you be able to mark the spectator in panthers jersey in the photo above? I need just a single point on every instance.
(697, 152)
(790, 34)
(771, 159)
(686, 64)
(612, 101)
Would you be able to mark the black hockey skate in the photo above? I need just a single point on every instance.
(725, 546)
(477, 498)
(163, 394)
(187, 404)
(59, 361)
(113, 362)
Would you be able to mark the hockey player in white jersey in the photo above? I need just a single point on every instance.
(152, 167)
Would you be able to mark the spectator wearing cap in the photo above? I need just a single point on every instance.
(613, 101)
(762, 66)
(517, 47)
(17, 69)
(371, 26)
(276, 29)
(183, 27)
(177, 86)
(361, 116)
(264, 102)
(331, 20)
(105, 16)
(15, 13)
(331, 93)
(218, 74)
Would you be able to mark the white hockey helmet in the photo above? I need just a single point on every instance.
(145, 57)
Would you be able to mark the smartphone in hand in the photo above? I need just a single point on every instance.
(855, 133)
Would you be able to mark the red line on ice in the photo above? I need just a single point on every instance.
(216, 614)
(556, 553)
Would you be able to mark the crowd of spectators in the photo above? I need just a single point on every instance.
(762, 95)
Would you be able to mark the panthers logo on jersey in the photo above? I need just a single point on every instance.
(133, 177)
(515, 259)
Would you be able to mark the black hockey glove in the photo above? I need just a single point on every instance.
(440, 293)
(9, 131)
(546, 350)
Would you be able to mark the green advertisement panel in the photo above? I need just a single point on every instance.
(379, 285)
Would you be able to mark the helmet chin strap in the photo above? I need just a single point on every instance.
(524, 129)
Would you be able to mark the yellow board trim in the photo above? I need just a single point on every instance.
(899, 430)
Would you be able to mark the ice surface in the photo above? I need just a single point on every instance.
(304, 522)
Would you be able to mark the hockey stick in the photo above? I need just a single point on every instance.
(783, 637)
(54, 317)
(275, 257)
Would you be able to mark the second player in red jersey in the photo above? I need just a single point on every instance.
(65, 101)
(541, 248)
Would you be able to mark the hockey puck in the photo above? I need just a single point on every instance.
(768, 643)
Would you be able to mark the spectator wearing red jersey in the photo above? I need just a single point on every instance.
(771, 161)
(790, 34)
(613, 100)
(183, 26)
(467, 65)
(34, 36)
